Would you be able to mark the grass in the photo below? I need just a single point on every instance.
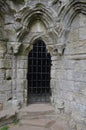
(4, 128)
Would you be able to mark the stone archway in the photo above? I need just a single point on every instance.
(55, 50)
(52, 50)
(39, 69)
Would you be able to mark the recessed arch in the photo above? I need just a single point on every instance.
(71, 10)
(37, 26)
(27, 16)
(39, 69)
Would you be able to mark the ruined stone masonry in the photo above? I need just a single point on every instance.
(61, 25)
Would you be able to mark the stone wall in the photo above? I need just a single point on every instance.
(71, 72)
(61, 24)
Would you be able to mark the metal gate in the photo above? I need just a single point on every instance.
(39, 67)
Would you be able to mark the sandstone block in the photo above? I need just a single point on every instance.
(8, 95)
(82, 21)
(21, 73)
(7, 63)
(8, 85)
(80, 76)
(75, 35)
(8, 74)
(1, 63)
(66, 86)
(2, 74)
(21, 84)
(82, 33)
(22, 64)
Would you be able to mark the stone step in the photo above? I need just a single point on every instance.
(56, 124)
(28, 128)
(37, 111)
(38, 117)
(37, 122)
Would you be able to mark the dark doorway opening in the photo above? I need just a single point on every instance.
(39, 67)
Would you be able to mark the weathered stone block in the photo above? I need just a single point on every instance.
(2, 74)
(14, 84)
(2, 47)
(66, 86)
(77, 116)
(82, 33)
(63, 74)
(80, 65)
(22, 57)
(1, 63)
(10, 30)
(7, 64)
(80, 76)
(20, 85)
(14, 73)
(81, 126)
(82, 21)
(80, 87)
(80, 99)
(22, 64)
(21, 73)
(8, 85)
(8, 95)
(53, 74)
(8, 74)
(20, 97)
(75, 35)
(69, 75)
(66, 64)
(2, 97)
(2, 87)
(53, 84)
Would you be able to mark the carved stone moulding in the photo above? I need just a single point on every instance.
(28, 16)
(69, 11)
(13, 47)
(58, 49)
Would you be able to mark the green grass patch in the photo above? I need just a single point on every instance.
(4, 128)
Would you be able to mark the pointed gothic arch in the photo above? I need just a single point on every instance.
(27, 16)
(39, 69)
(69, 11)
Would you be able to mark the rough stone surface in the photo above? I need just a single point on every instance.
(61, 24)
(40, 121)
(28, 128)
(7, 117)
